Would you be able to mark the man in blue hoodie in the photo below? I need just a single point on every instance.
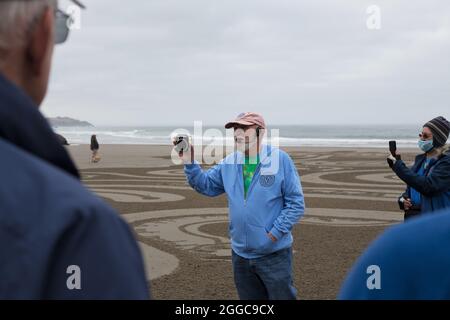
(265, 201)
(57, 239)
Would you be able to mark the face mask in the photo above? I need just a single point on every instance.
(426, 145)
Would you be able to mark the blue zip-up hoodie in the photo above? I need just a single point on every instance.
(274, 200)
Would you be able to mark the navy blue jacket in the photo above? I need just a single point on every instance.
(434, 186)
(409, 261)
(49, 222)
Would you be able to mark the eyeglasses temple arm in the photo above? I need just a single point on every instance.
(78, 3)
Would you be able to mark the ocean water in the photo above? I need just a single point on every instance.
(302, 135)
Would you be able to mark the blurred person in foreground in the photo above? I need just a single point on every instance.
(410, 261)
(57, 239)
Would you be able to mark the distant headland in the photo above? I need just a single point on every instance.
(68, 122)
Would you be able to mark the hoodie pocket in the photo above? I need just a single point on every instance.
(257, 239)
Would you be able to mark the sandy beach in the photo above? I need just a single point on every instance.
(350, 196)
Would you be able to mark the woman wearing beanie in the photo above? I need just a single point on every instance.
(428, 180)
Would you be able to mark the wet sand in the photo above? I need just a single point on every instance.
(350, 197)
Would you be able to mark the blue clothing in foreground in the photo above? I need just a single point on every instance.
(414, 262)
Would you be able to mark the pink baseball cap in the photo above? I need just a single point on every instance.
(247, 119)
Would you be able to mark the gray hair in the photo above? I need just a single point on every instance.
(16, 17)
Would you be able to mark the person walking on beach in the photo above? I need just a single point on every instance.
(428, 180)
(94, 148)
(265, 200)
(57, 239)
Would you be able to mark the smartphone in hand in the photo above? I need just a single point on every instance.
(393, 147)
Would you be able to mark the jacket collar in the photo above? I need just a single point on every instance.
(22, 125)
(422, 157)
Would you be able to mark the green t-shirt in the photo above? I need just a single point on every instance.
(250, 165)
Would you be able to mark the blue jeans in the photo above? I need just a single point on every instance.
(265, 278)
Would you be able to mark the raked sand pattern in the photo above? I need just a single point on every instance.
(350, 198)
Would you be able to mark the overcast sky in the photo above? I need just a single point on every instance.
(171, 62)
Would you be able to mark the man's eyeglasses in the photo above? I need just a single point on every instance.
(62, 21)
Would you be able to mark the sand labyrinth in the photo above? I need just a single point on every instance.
(181, 222)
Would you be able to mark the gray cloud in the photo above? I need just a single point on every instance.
(147, 62)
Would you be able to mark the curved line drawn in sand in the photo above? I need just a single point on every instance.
(355, 194)
(178, 182)
(157, 263)
(168, 173)
(350, 217)
(90, 176)
(319, 178)
(351, 190)
(160, 186)
(118, 174)
(101, 177)
(194, 229)
(146, 177)
(137, 196)
(350, 197)
(378, 177)
(309, 157)
(184, 233)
